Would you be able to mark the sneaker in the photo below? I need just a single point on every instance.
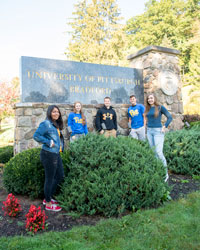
(167, 177)
(53, 208)
(53, 202)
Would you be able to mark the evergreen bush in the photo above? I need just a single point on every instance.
(6, 153)
(109, 175)
(182, 151)
(195, 125)
(24, 173)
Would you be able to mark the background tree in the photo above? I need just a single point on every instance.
(97, 35)
(163, 20)
(8, 96)
(173, 24)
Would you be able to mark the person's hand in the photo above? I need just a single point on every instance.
(101, 132)
(52, 144)
(163, 129)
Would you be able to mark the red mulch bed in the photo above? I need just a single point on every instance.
(181, 186)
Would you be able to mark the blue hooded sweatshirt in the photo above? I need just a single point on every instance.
(75, 122)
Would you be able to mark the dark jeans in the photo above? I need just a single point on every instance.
(54, 172)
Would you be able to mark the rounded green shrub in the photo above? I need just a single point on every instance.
(6, 153)
(24, 173)
(109, 175)
(182, 151)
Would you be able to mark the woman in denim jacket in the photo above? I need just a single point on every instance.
(155, 129)
(49, 134)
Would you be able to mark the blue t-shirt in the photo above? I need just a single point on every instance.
(136, 114)
(75, 122)
(155, 122)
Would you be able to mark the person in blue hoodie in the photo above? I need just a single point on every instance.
(155, 128)
(136, 119)
(77, 125)
(49, 134)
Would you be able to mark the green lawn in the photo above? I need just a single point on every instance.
(176, 225)
(7, 132)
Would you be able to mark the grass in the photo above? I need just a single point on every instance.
(176, 225)
(7, 132)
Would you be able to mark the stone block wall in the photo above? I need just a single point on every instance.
(29, 115)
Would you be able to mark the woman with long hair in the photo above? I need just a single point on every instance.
(49, 134)
(77, 125)
(155, 129)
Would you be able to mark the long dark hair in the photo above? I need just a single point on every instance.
(81, 112)
(148, 106)
(58, 123)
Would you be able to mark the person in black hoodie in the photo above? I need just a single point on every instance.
(106, 119)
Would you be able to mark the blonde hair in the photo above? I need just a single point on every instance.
(148, 106)
(81, 112)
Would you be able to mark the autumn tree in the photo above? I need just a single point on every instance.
(8, 96)
(97, 35)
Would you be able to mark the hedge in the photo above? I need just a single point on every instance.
(24, 173)
(109, 175)
(182, 151)
(6, 153)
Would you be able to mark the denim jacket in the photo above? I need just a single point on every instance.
(47, 132)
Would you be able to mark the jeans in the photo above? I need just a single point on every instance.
(54, 172)
(138, 133)
(76, 137)
(155, 138)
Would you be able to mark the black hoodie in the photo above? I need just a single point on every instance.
(106, 116)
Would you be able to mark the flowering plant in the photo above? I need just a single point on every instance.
(35, 219)
(11, 206)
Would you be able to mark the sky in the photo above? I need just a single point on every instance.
(37, 28)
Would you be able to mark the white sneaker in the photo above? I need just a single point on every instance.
(167, 177)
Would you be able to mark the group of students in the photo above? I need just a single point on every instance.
(49, 134)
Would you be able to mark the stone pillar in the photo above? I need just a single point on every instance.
(161, 75)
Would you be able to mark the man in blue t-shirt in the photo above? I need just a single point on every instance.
(136, 119)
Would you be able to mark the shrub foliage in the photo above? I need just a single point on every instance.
(24, 173)
(109, 175)
(6, 153)
(182, 152)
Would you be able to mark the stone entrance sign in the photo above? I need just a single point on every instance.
(59, 81)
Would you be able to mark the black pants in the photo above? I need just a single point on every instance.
(54, 172)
